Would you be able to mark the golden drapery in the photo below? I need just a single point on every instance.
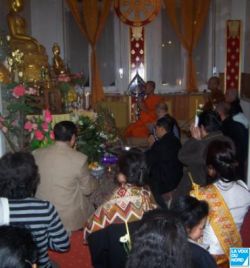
(91, 20)
(193, 14)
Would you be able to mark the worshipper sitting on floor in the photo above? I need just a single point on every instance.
(192, 153)
(161, 111)
(17, 248)
(216, 94)
(165, 170)
(239, 135)
(147, 107)
(19, 178)
(65, 179)
(193, 214)
(236, 111)
(160, 242)
(228, 199)
(126, 204)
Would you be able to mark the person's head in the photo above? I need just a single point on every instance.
(221, 162)
(161, 109)
(223, 109)
(213, 83)
(65, 131)
(149, 87)
(17, 248)
(132, 168)
(209, 121)
(19, 175)
(164, 125)
(193, 213)
(160, 242)
(231, 95)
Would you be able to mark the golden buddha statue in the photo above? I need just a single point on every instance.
(58, 64)
(34, 54)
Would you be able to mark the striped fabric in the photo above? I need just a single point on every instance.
(41, 218)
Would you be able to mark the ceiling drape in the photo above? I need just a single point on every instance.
(188, 24)
(91, 21)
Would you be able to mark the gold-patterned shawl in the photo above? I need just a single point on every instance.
(127, 203)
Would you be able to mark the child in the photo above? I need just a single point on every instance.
(193, 214)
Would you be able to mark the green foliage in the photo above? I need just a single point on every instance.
(95, 137)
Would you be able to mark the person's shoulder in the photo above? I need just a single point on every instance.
(77, 155)
(42, 150)
(201, 257)
(30, 203)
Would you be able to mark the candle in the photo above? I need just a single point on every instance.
(87, 100)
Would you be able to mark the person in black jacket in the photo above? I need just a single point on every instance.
(165, 170)
(239, 135)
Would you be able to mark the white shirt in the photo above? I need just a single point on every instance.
(4, 211)
(241, 118)
(237, 198)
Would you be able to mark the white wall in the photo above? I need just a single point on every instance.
(47, 23)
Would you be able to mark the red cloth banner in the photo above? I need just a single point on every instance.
(136, 51)
(233, 54)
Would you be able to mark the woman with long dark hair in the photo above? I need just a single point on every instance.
(228, 199)
(160, 242)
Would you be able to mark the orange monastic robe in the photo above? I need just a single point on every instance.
(139, 129)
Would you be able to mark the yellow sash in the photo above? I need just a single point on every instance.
(219, 217)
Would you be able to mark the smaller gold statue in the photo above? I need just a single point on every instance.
(58, 64)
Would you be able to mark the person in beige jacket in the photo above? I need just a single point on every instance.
(65, 179)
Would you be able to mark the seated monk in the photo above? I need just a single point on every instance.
(148, 116)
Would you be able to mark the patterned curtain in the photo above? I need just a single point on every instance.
(188, 26)
(91, 20)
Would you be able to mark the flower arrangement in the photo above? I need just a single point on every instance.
(19, 101)
(95, 137)
(40, 130)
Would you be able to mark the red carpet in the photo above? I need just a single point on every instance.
(245, 230)
(77, 256)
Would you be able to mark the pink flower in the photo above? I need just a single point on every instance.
(28, 126)
(39, 135)
(1, 119)
(47, 116)
(14, 123)
(52, 135)
(4, 129)
(34, 126)
(45, 126)
(18, 91)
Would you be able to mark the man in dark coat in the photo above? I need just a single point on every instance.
(193, 152)
(165, 170)
(239, 135)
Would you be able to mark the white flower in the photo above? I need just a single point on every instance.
(124, 239)
(103, 135)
